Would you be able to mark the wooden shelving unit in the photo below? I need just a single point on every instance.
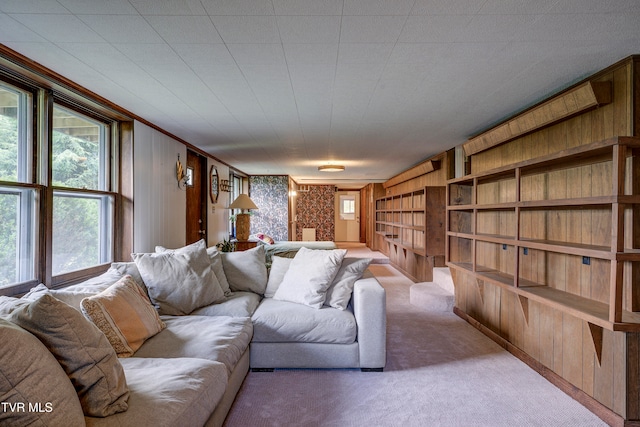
(412, 225)
(511, 226)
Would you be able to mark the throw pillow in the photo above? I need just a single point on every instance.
(246, 270)
(9, 304)
(181, 280)
(216, 265)
(339, 293)
(309, 276)
(279, 267)
(82, 350)
(218, 269)
(266, 239)
(130, 268)
(30, 373)
(124, 314)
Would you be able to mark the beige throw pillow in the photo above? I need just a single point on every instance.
(124, 314)
(81, 349)
(181, 280)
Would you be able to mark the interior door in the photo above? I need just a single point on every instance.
(347, 217)
(196, 197)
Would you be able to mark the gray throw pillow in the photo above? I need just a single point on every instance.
(81, 349)
(246, 270)
(181, 280)
(339, 293)
(29, 374)
(279, 267)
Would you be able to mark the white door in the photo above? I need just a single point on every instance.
(347, 207)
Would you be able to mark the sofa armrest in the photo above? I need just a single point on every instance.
(370, 311)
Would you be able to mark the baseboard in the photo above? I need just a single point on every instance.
(601, 411)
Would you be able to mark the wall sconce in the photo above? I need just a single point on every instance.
(184, 177)
(226, 186)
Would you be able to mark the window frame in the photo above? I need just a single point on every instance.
(43, 93)
(106, 182)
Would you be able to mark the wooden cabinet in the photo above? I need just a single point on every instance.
(243, 245)
(412, 226)
(557, 230)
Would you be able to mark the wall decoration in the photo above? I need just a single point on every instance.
(271, 194)
(213, 184)
(315, 209)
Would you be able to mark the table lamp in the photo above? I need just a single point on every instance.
(243, 224)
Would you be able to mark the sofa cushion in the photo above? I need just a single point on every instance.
(169, 393)
(279, 267)
(81, 349)
(339, 293)
(236, 304)
(181, 280)
(220, 338)
(309, 276)
(246, 270)
(282, 321)
(124, 314)
(29, 374)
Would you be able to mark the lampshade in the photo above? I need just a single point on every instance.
(331, 168)
(243, 202)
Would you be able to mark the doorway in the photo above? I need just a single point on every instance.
(196, 197)
(347, 216)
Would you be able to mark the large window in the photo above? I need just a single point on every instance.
(57, 204)
(82, 218)
(17, 197)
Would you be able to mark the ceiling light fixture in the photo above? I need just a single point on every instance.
(331, 168)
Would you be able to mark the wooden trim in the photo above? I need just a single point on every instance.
(573, 101)
(124, 218)
(601, 411)
(416, 171)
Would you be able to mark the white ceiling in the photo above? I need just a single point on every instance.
(283, 86)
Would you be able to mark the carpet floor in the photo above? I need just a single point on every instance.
(440, 372)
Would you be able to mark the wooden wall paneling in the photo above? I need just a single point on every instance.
(558, 339)
(603, 381)
(588, 359)
(621, 384)
(572, 349)
(631, 393)
(547, 331)
(517, 324)
(531, 329)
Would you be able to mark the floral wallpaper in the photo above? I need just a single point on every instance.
(270, 194)
(315, 209)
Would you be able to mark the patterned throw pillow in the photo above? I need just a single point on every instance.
(124, 314)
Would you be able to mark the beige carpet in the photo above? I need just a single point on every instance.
(440, 372)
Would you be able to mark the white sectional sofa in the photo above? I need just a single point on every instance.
(196, 345)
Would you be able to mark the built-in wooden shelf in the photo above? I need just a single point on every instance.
(578, 99)
(412, 226)
(488, 239)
